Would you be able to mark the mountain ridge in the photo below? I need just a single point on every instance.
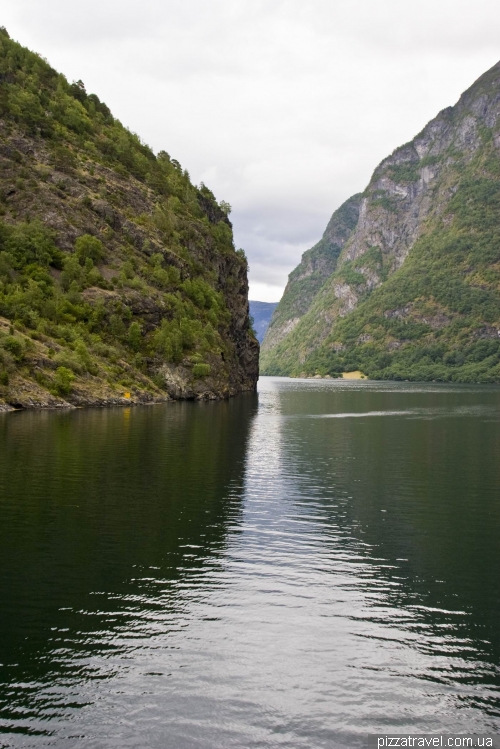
(416, 286)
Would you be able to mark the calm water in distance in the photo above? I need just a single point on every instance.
(296, 568)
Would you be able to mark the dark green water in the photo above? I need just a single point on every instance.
(293, 569)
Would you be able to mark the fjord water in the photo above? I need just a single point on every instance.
(297, 568)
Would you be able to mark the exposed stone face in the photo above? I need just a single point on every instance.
(347, 297)
(279, 332)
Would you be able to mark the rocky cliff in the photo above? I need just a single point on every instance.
(119, 280)
(415, 291)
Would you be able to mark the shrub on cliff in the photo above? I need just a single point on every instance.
(63, 380)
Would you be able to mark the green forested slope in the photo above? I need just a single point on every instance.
(116, 272)
(416, 292)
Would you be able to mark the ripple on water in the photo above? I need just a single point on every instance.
(294, 572)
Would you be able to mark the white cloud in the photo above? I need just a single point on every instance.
(264, 292)
(283, 107)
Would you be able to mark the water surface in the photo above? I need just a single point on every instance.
(296, 568)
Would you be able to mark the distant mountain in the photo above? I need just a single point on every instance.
(405, 283)
(261, 312)
(119, 279)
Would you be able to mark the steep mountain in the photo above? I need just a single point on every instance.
(119, 280)
(415, 292)
(261, 313)
(316, 266)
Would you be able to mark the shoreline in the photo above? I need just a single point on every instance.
(52, 403)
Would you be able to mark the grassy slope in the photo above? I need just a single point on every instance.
(116, 273)
(438, 316)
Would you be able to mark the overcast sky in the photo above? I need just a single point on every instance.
(282, 107)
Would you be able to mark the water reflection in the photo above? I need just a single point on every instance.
(409, 511)
(104, 517)
(292, 573)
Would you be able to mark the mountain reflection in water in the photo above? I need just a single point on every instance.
(293, 569)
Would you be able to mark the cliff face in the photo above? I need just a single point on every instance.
(415, 293)
(316, 266)
(117, 275)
